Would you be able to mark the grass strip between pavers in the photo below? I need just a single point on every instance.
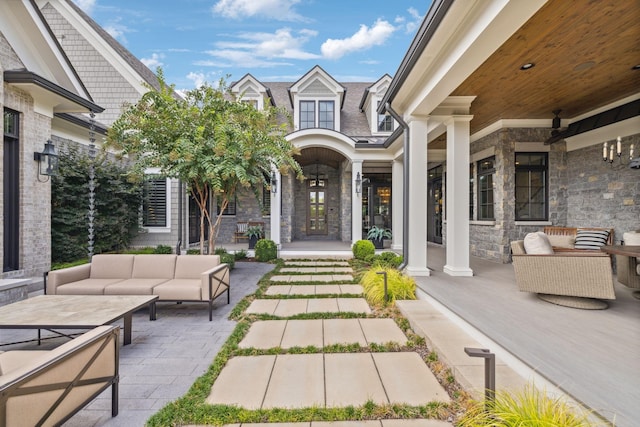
(193, 409)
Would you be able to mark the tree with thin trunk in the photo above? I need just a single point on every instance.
(209, 139)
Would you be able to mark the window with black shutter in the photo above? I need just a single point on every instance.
(154, 205)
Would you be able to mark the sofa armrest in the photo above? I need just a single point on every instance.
(66, 275)
(67, 378)
(215, 281)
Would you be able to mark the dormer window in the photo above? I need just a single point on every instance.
(325, 119)
(385, 122)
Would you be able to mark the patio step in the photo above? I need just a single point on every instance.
(314, 289)
(320, 269)
(321, 333)
(286, 278)
(292, 307)
(339, 263)
(326, 380)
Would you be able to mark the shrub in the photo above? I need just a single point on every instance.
(399, 286)
(220, 251)
(362, 248)
(147, 250)
(266, 250)
(227, 258)
(193, 251)
(390, 259)
(241, 254)
(371, 258)
(163, 249)
(529, 407)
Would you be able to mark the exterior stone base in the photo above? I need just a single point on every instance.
(12, 290)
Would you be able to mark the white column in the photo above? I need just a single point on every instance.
(275, 212)
(397, 184)
(457, 196)
(356, 202)
(417, 244)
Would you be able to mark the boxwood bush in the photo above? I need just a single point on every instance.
(266, 250)
(362, 248)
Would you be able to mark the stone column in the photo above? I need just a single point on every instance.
(417, 245)
(356, 202)
(397, 169)
(457, 198)
(276, 203)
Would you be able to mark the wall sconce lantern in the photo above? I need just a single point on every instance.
(47, 161)
(274, 183)
(358, 183)
(615, 149)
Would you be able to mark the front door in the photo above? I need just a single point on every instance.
(316, 207)
(434, 201)
(11, 193)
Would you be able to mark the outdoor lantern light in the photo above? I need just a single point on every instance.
(274, 183)
(358, 183)
(47, 160)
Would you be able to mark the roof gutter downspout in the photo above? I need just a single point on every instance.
(405, 186)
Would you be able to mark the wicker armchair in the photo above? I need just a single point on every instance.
(578, 280)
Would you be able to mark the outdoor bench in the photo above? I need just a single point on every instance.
(181, 278)
(40, 387)
(568, 239)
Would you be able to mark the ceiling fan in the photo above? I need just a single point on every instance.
(556, 133)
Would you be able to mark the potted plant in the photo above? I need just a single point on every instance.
(377, 235)
(254, 233)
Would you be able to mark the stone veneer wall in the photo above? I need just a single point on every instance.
(601, 194)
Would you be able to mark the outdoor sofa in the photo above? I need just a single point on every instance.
(573, 279)
(181, 278)
(40, 387)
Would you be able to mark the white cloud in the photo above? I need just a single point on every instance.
(364, 39)
(86, 5)
(261, 50)
(281, 10)
(198, 79)
(117, 30)
(412, 25)
(153, 62)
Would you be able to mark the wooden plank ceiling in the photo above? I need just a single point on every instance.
(584, 53)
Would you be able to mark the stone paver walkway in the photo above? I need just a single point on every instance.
(326, 380)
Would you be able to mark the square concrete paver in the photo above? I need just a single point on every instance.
(280, 278)
(342, 277)
(302, 333)
(243, 382)
(321, 278)
(363, 423)
(278, 290)
(415, 423)
(262, 306)
(343, 331)
(327, 289)
(382, 331)
(322, 305)
(407, 379)
(290, 307)
(353, 305)
(302, 290)
(297, 381)
(352, 379)
(264, 334)
(351, 289)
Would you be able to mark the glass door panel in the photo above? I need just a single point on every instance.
(316, 208)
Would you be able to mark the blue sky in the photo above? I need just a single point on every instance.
(275, 40)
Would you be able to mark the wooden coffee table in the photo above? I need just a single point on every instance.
(53, 312)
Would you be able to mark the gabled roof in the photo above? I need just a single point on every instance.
(317, 74)
(386, 79)
(249, 83)
(45, 66)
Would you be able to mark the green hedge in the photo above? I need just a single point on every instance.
(117, 203)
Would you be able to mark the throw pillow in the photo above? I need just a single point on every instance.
(537, 244)
(562, 241)
(591, 239)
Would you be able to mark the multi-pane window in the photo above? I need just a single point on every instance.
(471, 192)
(307, 114)
(230, 209)
(266, 200)
(486, 174)
(326, 115)
(531, 186)
(154, 203)
(385, 122)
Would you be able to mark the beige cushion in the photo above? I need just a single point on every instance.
(14, 359)
(154, 266)
(133, 287)
(86, 287)
(192, 266)
(111, 266)
(537, 244)
(180, 289)
(562, 241)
